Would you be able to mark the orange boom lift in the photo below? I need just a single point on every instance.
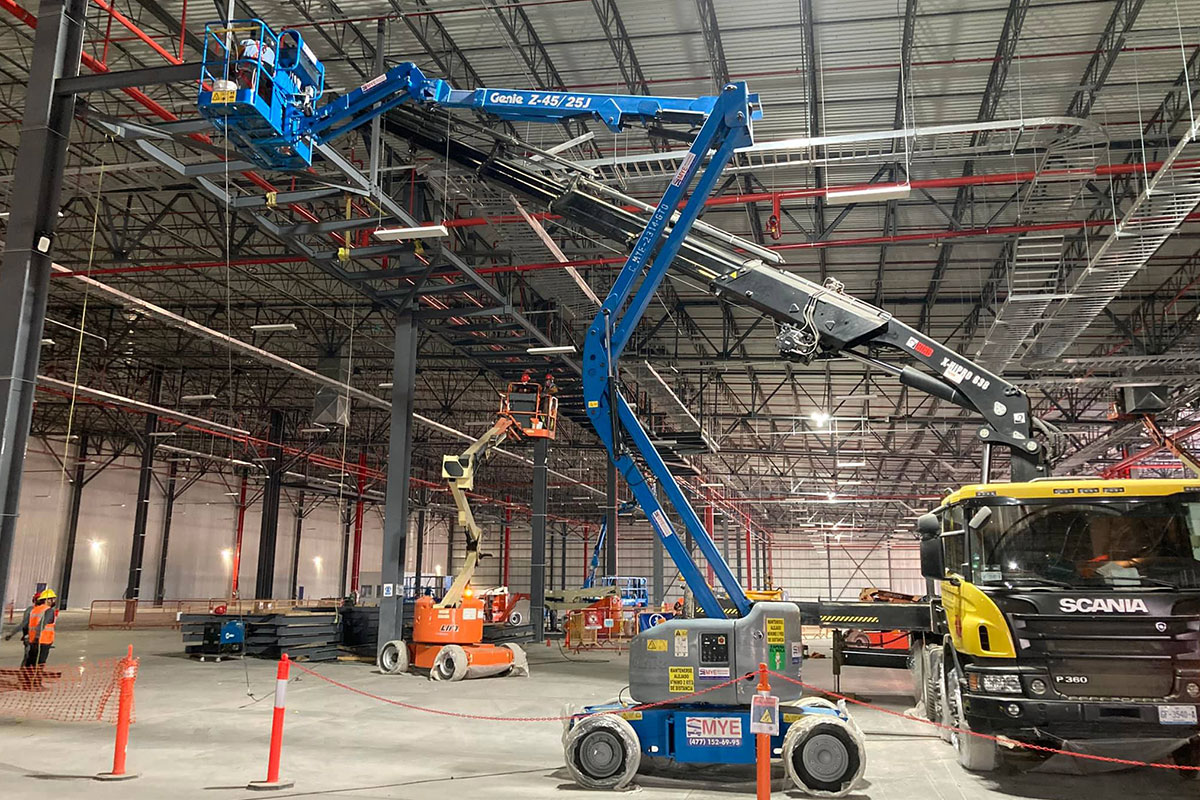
(448, 635)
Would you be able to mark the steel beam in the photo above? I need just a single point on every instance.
(1006, 49)
(133, 585)
(268, 531)
(123, 79)
(1112, 42)
(66, 557)
(400, 446)
(29, 238)
(420, 556)
(537, 561)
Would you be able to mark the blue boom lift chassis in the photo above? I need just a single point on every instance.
(261, 90)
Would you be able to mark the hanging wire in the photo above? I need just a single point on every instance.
(87, 292)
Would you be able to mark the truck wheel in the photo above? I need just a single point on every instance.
(858, 639)
(451, 664)
(520, 662)
(602, 752)
(934, 680)
(823, 756)
(975, 753)
(393, 658)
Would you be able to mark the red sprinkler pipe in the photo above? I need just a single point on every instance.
(237, 544)
(356, 563)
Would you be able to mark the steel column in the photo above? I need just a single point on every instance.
(395, 527)
(160, 580)
(537, 561)
(356, 559)
(506, 552)
(550, 547)
(749, 556)
(562, 559)
(420, 548)
(344, 562)
(610, 515)
(66, 558)
(137, 552)
(294, 586)
(268, 532)
(24, 278)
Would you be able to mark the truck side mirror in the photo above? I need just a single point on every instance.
(929, 526)
(933, 561)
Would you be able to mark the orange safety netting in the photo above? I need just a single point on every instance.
(85, 692)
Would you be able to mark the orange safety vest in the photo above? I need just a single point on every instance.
(39, 633)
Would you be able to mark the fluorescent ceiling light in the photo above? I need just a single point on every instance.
(315, 429)
(231, 494)
(820, 418)
(418, 232)
(855, 396)
(550, 351)
(385, 385)
(274, 327)
(868, 194)
(47, 342)
(851, 464)
(162, 434)
(710, 485)
(193, 398)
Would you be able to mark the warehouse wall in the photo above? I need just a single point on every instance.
(199, 562)
(202, 537)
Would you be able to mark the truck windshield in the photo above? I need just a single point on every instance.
(1100, 544)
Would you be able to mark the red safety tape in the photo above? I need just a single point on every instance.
(748, 676)
(999, 739)
(460, 715)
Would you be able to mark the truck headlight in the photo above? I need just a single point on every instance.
(1002, 684)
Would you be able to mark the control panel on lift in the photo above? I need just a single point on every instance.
(682, 656)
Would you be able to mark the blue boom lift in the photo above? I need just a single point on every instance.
(261, 89)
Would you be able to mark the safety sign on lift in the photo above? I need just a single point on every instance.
(764, 714)
(681, 680)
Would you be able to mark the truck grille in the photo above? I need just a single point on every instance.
(1107, 656)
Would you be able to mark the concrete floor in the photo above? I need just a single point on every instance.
(198, 735)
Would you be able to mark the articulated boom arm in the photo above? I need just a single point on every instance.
(459, 471)
(822, 321)
(261, 88)
(726, 129)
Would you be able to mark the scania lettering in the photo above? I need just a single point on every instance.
(1109, 605)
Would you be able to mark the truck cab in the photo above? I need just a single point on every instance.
(1069, 612)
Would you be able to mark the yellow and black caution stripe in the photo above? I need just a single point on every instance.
(825, 620)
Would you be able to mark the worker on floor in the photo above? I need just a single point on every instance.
(23, 625)
(38, 635)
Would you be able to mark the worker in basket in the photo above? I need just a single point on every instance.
(254, 52)
(38, 635)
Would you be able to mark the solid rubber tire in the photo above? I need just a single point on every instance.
(811, 730)
(451, 664)
(605, 732)
(393, 657)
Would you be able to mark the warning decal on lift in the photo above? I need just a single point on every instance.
(764, 714)
(661, 524)
(681, 644)
(681, 679)
(656, 645)
(775, 630)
